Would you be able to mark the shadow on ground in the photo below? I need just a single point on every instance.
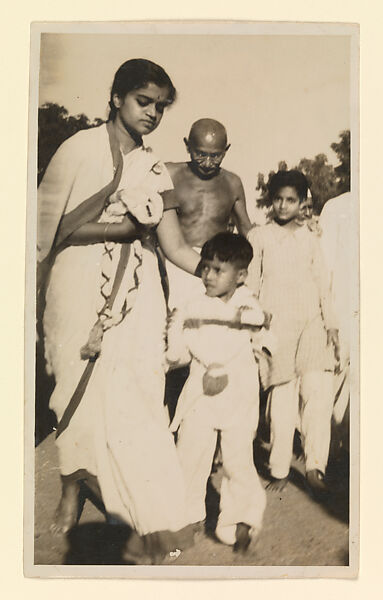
(97, 544)
(336, 500)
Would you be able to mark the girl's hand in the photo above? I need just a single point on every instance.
(267, 321)
(333, 340)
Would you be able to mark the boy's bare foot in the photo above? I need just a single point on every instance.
(315, 479)
(242, 537)
(67, 511)
(277, 485)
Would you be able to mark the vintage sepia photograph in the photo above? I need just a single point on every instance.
(192, 322)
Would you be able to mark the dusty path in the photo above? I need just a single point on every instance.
(297, 530)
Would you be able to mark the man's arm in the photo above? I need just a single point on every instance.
(173, 244)
(240, 216)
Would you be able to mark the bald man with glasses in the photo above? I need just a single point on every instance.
(210, 198)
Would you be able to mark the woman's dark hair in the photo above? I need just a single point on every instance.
(228, 247)
(137, 73)
(293, 178)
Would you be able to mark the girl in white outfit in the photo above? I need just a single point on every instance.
(103, 203)
(289, 277)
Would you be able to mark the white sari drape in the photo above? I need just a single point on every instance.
(120, 431)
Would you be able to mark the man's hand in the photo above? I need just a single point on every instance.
(333, 340)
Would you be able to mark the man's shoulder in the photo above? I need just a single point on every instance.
(338, 204)
(176, 168)
(232, 178)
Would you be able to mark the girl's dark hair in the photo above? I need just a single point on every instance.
(137, 73)
(293, 178)
(228, 247)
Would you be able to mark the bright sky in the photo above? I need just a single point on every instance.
(280, 97)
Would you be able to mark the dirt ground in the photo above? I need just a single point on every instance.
(298, 531)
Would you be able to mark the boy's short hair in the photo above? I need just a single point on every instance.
(228, 247)
(293, 178)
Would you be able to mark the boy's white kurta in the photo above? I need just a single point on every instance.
(234, 411)
(120, 431)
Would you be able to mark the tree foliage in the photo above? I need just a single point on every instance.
(55, 125)
(343, 151)
(321, 178)
(325, 180)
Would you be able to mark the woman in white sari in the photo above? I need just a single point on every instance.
(103, 202)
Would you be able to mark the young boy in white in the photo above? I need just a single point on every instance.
(219, 332)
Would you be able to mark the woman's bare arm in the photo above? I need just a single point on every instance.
(95, 233)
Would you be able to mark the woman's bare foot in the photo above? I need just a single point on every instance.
(315, 479)
(242, 537)
(277, 485)
(136, 553)
(67, 511)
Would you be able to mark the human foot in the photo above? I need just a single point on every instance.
(134, 551)
(277, 485)
(315, 479)
(242, 537)
(67, 511)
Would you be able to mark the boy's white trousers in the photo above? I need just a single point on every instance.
(243, 498)
(309, 402)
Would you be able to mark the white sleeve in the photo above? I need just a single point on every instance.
(323, 279)
(328, 225)
(159, 178)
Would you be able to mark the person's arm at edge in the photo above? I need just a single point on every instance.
(253, 280)
(240, 216)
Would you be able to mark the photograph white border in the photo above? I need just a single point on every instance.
(181, 572)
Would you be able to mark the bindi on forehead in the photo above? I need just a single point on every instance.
(154, 92)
